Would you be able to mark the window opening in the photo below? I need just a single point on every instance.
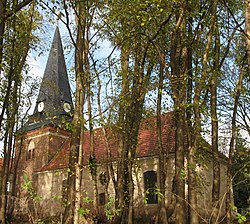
(29, 154)
(150, 184)
(102, 199)
(33, 153)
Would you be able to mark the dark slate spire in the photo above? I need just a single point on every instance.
(54, 98)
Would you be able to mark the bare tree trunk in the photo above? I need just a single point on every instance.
(110, 168)
(74, 148)
(200, 83)
(92, 159)
(7, 95)
(2, 28)
(121, 123)
(178, 72)
(5, 173)
(214, 118)
(130, 113)
(233, 124)
(247, 31)
(70, 212)
(11, 103)
(180, 207)
(16, 162)
(162, 215)
(189, 124)
(4, 15)
(84, 14)
(18, 71)
(78, 181)
(231, 151)
(4, 178)
(8, 137)
(11, 115)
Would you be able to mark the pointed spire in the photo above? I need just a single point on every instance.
(54, 98)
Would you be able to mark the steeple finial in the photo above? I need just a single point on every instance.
(58, 15)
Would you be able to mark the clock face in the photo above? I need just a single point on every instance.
(40, 106)
(66, 107)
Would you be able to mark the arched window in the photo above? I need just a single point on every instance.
(150, 184)
(30, 154)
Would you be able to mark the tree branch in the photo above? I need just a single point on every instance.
(15, 10)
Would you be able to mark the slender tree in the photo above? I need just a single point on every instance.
(178, 87)
(236, 97)
(214, 118)
(84, 14)
(6, 14)
(162, 164)
(74, 178)
(17, 44)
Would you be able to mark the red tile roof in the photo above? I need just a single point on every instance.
(147, 143)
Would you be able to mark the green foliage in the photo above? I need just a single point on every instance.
(145, 199)
(57, 197)
(39, 221)
(157, 192)
(110, 210)
(241, 174)
(87, 199)
(93, 165)
(63, 123)
(239, 217)
(183, 173)
(83, 211)
(34, 198)
(27, 186)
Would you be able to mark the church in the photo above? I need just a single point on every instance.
(42, 153)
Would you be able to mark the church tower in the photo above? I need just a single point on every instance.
(54, 102)
(45, 132)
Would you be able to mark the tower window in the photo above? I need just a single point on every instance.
(29, 154)
(150, 182)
